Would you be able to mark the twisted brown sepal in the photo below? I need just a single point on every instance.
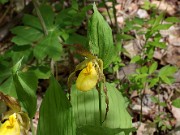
(10, 102)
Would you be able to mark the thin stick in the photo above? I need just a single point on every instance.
(115, 18)
(40, 17)
(107, 12)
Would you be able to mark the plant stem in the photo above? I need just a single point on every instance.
(32, 128)
(100, 88)
(40, 17)
(115, 18)
(107, 11)
(141, 97)
(141, 108)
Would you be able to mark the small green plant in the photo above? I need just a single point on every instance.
(149, 74)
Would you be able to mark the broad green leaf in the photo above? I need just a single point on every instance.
(32, 21)
(158, 20)
(86, 108)
(144, 69)
(65, 17)
(98, 130)
(25, 35)
(74, 4)
(77, 39)
(157, 44)
(19, 52)
(153, 67)
(125, 37)
(167, 71)
(8, 87)
(154, 99)
(41, 72)
(141, 76)
(165, 79)
(173, 19)
(48, 15)
(147, 5)
(162, 27)
(153, 81)
(100, 38)
(176, 102)
(50, 46)
(17, 66)
(5, 72)
(56, 117)
(135, 59)
(139, 21)
(26, 85)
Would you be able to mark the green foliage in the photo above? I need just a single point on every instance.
(8, 87)
(98, 130)
(172, 19)
(19, 85)
(25, 35)
(3, 1)
(153, 67)
(100, 38)
(86, 109)
(147, 5)
(32, 33)
(166, 73)
(41, 72)
(176, 102)
(26, 89)
(56, 116)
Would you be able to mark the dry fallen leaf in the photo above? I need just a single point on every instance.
(145, 128)
(168, 7)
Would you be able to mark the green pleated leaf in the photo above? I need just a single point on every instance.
(5, 71)
(47, 14)
(8, 87)
(100, 38)
(32, 21)
(25, 35)
(26, 85)
(172, 19)
(49, 46)
(41, 72)
(153, 67)
(176, 102)
(56, 116)
(86, 108)
(98, 130)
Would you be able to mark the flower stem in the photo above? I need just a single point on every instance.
(32, 128)
(100, 88)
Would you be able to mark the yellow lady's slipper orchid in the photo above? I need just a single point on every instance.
(87, 78)
(10, 126)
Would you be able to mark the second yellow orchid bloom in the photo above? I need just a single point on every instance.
(10, 126)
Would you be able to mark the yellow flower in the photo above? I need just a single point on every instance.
(10, 126)
(87, 78)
